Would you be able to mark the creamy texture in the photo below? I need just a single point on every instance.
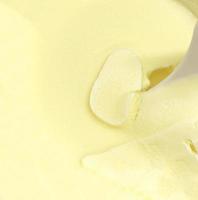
(162, 166)
(51, 53)
(116, 92)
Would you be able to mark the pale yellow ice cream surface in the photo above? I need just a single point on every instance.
(51, 55)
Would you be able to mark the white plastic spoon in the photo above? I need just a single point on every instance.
(189, 65)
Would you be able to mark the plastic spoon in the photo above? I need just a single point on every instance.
(189, 65)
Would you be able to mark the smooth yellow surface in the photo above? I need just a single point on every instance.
(51, 53)
(165, 165)
(115, 92)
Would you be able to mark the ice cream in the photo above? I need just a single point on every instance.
(116, 92)
(164, 165)
(51, 55)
